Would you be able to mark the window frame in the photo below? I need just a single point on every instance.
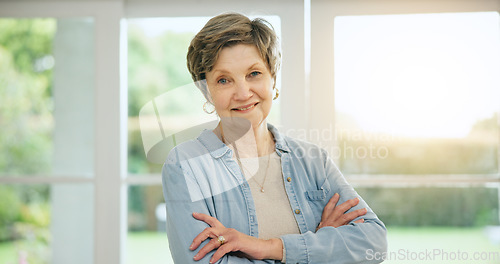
(109, 120)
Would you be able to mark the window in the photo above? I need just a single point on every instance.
(422, 89)
(46, 157)
(416, 113)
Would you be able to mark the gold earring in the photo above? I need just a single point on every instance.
(205, 107)
(277, 94)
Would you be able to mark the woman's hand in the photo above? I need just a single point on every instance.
(251, 247)
(335, 216)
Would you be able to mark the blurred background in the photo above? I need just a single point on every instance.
(404, 96)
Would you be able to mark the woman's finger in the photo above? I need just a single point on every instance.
(347, 218)
(360, 221)
(345, 206)
(209, 232)
(213, 244)
(339, 217)
(212, 221)
(206, 233)
(330, 206)
(221, 251)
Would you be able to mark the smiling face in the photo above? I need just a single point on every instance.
(240, 84)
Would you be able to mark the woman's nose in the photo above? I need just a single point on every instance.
(242, 91)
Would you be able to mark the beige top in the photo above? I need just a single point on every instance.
(274, 213)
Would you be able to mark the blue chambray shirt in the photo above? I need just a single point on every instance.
(201, 176)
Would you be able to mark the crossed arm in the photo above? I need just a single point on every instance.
(347, 239)
(253, 248)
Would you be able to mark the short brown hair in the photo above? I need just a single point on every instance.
(226, 30)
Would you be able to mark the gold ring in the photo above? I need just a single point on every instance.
(221, 239)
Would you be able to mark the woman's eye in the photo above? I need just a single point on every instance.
(222, 81)
(255, 73)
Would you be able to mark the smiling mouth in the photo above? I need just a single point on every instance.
(244, 108)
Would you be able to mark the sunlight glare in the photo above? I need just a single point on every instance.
(426, 75)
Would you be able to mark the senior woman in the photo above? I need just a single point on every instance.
(243, 192)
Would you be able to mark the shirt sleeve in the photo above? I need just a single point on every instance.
(352, 243)
(182, 228)
(283, 259)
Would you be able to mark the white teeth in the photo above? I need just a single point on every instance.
(243, 109)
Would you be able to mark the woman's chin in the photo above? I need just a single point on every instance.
(243, 121)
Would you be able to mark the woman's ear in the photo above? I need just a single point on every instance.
(276, 90)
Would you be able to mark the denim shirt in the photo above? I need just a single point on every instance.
(201, 176)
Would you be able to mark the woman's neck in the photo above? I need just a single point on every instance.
(264, 139)
(246, 140)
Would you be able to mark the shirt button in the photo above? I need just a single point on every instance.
(289, 179)
(297, 211)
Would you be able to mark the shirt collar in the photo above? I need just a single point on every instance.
(217, 148)
(280, 141)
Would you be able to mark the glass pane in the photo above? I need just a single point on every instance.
(418, 94)
(46, 102)
(46, 223)
(456, 225)
(147, 238)
(160, 84)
